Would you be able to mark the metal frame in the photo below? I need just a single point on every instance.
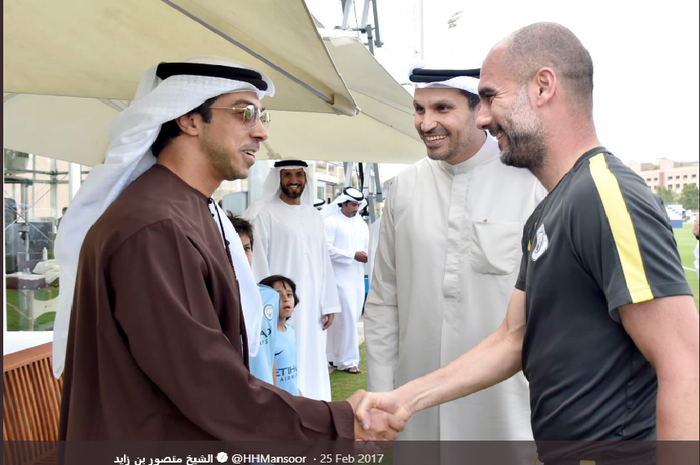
(74, 178)
(373, 40)
(373, 186)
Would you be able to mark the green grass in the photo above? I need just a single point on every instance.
(16, 321)
(686, 247)
(343, 385)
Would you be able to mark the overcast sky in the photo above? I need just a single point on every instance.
(645, 57)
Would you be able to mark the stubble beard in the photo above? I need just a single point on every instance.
(527, 146)
(290, 194)
(220, 160)
(456, 146)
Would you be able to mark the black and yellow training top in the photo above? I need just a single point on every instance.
(601, 239)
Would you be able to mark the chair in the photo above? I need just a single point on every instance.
(31, 399)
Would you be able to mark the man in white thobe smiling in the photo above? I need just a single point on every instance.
(290, 241)
(446, 263)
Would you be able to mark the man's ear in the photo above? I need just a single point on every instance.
(190, 123)
(546, 83)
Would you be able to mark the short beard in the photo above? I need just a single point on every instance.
(447, 156)
(292, 195)
(527, 147)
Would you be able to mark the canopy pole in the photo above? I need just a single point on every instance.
(348, 165)
(368, 191)
(377, 182)
(9, 97)
(347, 8)
(113, 104)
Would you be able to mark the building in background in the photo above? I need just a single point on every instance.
(671, 174)
(330, 179)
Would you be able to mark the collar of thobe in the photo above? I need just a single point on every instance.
(486, 152)
(342, 216)
(131, 135)
(293, 207)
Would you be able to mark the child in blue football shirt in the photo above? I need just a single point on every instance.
(285, 345)
(262, 365)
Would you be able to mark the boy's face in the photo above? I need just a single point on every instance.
(247, 248)
(286, 299)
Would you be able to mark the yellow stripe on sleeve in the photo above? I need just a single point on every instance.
(622, 229)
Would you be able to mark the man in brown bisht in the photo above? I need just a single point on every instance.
(157, 347)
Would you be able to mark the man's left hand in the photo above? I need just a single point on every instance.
(327, 320)
(361, 256)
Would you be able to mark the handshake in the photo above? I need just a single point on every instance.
(379, 416)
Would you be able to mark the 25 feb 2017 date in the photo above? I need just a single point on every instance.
(346, 458)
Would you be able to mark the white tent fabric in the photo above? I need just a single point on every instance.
(383, 132)
(75, 129)
(72, 129)
(100, 48)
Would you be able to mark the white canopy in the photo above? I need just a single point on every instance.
(84, 78)
(66, 128)
(382, 132)
(100, 48)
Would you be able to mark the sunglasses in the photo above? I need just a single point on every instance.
(251, 115)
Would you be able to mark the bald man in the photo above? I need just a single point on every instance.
(602, 320)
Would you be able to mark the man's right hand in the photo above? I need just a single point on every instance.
(381, 425)
(389, 402)
(361, 257)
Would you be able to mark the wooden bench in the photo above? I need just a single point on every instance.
(31, 400)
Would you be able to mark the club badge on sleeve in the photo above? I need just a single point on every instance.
(541, 243)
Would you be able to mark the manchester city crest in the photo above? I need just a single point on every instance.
(541, 243)
(268, 312)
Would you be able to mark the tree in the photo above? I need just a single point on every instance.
(667, 195)
(689, 197)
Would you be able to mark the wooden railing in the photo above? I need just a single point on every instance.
(31, 400)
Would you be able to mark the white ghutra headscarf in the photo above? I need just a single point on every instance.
(271, 189)
(425, 77)
(350, 194)
(131, 135)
